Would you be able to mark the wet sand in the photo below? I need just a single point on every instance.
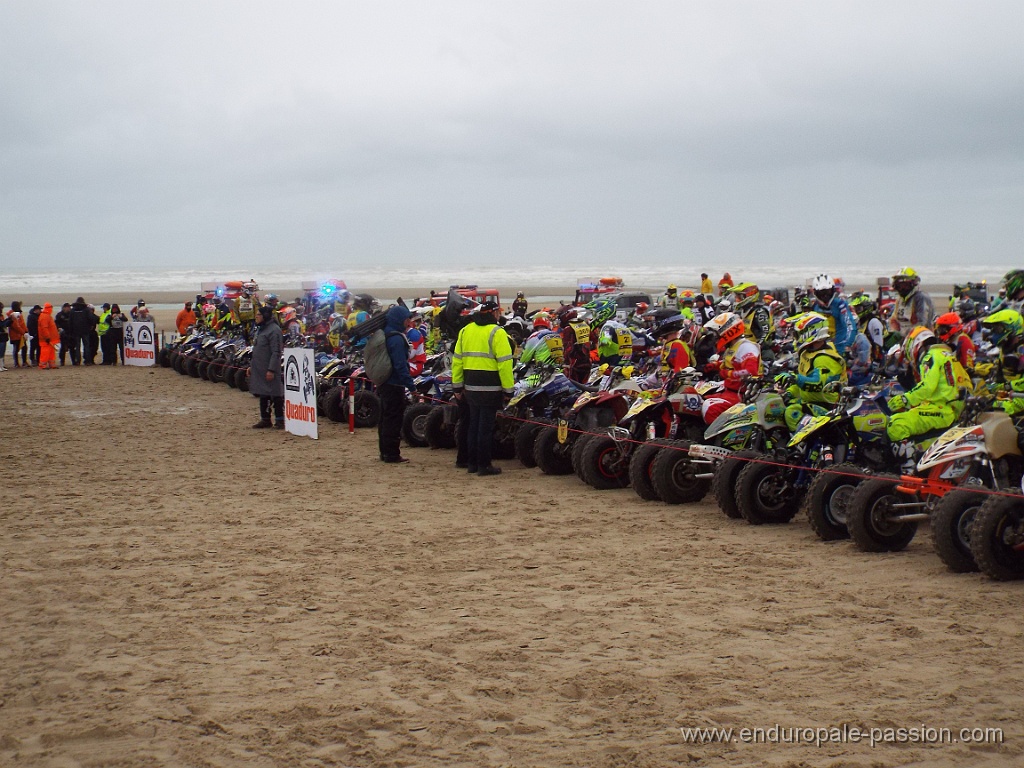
(178, 589)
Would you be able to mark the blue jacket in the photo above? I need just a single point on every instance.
(845, 322)
(398, 347)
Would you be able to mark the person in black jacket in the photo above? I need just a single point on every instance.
(32, 321)
(93, 339)
(265, 378)
(81, 325)
(63, 322)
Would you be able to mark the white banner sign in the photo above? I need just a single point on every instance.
(299, 392)
(139, 344)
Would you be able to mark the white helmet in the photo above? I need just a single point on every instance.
(824, 288)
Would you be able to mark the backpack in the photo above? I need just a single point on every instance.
(376, 359)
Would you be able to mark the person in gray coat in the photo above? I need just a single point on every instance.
(265, 378)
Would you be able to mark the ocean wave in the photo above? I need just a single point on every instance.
(634, 276)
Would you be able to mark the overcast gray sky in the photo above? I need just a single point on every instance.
(185, 134)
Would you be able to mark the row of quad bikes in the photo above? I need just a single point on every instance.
(221, 359)
(837, 469)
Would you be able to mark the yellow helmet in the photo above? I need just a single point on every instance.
(905, 281)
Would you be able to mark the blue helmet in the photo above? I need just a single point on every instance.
(603, 311)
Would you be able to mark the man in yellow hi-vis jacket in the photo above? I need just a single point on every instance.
(482, 374)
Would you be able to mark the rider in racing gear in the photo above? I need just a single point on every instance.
(842, 323)
(575, 344)
(519, 306)
(756, 317)
(676, 335)
(1005, 330)
(913, 306)
(935, 402)
(614, 343)
(950, 330)
(820, 364)
(1013, 283)
(739, 358)
(671, 299)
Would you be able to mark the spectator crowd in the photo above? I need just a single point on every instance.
(78, 331)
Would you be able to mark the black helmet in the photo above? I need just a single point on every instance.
(520, 295)
(669, 325)
(363, 301)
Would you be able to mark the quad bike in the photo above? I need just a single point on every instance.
(850, 437)
(752, 426)
(981, 453)
(546, 396)
(593, 411)
(665, 415)
(432, 389)
(333, 398)
(686, 473)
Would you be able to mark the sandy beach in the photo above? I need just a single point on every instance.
(179, 589)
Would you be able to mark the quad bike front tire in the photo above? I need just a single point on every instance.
(367, 409)
(996, 540)
(762, 495)
(576, 452)
(640, 468)
(869, 517)
(952, 523)
(723, 484)
(414, 424)
(526, 436)
(601, 464)
(438, 434)
(552, 457)
(673, 474)
(828, 499)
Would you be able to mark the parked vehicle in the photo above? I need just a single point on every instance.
(981, 452)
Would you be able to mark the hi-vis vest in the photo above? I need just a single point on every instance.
(104, 323)
(244, 309)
